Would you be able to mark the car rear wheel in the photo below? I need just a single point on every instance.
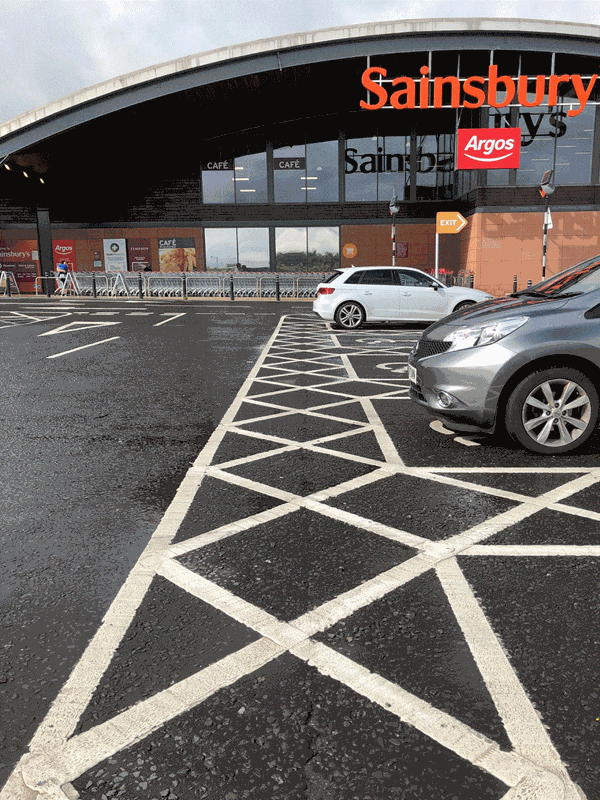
(350, 315)
(463, 305)
(552, 411)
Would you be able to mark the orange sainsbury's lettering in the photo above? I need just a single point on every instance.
(474, 91)
(494, 90)
(582, 95)
(408, 92)
(376, 88)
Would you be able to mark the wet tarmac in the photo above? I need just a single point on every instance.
(340, 602)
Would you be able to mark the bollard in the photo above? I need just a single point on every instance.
(471, 281)
(141, 285)
(514, 284)
(529, 283)
(184, 286)
(94, 290)
(277, 293)
(8, 286)
(231, 294)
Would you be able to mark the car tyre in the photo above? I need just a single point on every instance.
(463, 305)
(350, 315)
(552, 411)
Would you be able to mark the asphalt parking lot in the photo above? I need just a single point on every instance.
(240, 563)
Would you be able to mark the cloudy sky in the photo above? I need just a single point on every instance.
(52, 48)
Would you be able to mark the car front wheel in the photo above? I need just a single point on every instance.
(552, 411)
(463, 305)
(350, 315)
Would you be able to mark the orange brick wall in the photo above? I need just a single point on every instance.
(497, 246)
(494, 247)
(374, 246)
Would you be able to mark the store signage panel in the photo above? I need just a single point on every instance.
(64, 250)
(115, 255)
(177, 255)
(488, 148)
(218, 166)
(138, 252)
(289, 163)
(497, 91)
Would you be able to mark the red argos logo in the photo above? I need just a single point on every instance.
(488, 148)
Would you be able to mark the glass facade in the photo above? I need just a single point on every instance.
(306, 173)
(296, 249)
(413, 155)
(315, 249)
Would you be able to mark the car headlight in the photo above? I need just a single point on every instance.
(479, 335)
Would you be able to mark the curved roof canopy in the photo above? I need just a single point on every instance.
(281, 53)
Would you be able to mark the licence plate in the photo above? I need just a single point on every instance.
(412, 374)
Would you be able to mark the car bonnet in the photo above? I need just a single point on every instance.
(493, 311)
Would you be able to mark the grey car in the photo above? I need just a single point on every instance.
(528, 363)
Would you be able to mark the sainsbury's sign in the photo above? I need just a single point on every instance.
(488, 148)
(494, 90)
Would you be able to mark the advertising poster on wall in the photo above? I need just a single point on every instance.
(138, 252)
(115, 255)
(177, 255)
(21, 257)
(64, 250)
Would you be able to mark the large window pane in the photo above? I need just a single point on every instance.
(435, 166)
(323, 249)
(253, 248)
(251, 178)
(394, 176)
(361, 169)
(291, 249)
(218, 186)
(537, 145)
(574, 147)
(322, 172)
(221, 248)
(289, 174)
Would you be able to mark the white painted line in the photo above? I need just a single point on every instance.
(538, 550)
(83, 347)
(170, 319)
(439, 427)
(436, 724)
(79, 325)
(522, 722)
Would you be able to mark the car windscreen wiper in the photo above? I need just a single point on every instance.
(530, 293)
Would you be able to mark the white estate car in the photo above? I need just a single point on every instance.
(356, 295)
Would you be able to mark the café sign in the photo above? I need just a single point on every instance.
(475, 91)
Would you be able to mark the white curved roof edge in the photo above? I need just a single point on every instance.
(304, 39)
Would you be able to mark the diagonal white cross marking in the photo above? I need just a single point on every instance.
(533, 770)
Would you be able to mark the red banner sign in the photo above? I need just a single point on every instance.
(64, 250)
(488, 148)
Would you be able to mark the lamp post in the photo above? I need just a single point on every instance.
(546, 189)
(394, 209)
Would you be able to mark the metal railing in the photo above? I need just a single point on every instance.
(266, 285)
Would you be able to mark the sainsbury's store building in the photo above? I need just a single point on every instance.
(283, 155)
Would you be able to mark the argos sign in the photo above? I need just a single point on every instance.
(488, 148)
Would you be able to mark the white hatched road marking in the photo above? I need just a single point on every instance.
(532, 770)
(83, 347)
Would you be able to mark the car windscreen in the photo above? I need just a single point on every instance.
(582, 278)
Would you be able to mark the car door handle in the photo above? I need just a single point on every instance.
(406, 294)
(368, 292)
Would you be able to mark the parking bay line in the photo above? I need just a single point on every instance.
(170, 319)
(83, 347)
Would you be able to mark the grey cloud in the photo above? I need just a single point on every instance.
(52, 48)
